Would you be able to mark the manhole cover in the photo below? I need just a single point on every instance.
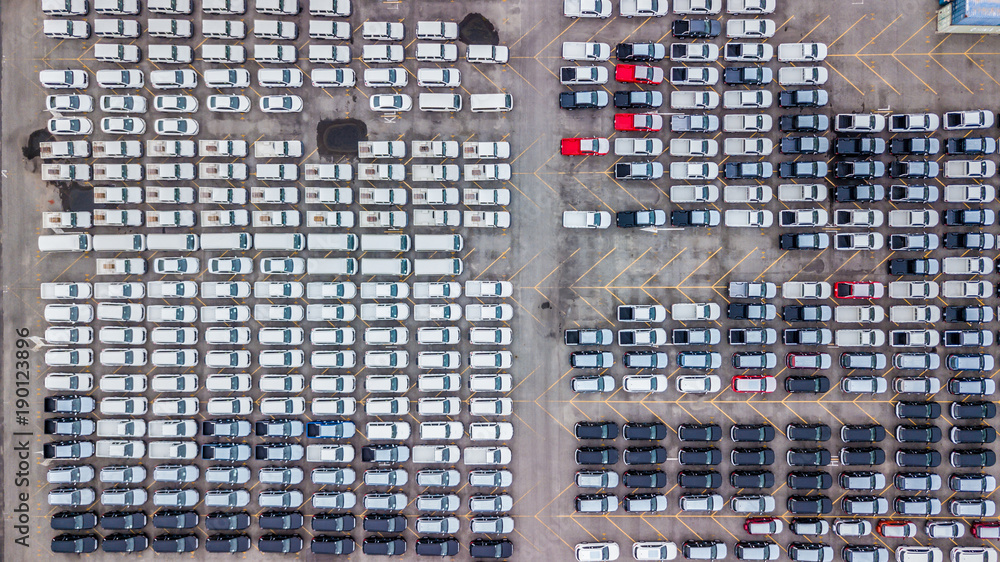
(477, 30)
(340, 136)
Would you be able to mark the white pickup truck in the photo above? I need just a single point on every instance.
(121, 266)
(112, 195)
(64, 149)
(487, 172)
(448, 454)
(575, 50)
(866, 314)
(117, 217)
(328, 172)
(381, 149)
(222, 171)
(487, 219)
(434, 172)
(696, 99)
(170, 172)
(223, 195)
(486, 150)
(694, 193)
(747, 194)
(174, 195)
(794, 192)
(641, 313)
(238, 217)
(430, 217)
(586, 219)
(382, 196)
(440, 290)
(278, 149)
(229, 148)
(118, 172)
(65, 172)
(171, 148)
(860, 338)
(50, 291)
(434, 149)
(801, 52)
(330, 195)
(486, 196)
(61, 220)
(695, 311)
(805, 290)
(276, 218)
(915, 314)
(274, 195)
(383, 172)
(118, 149)
(434, 195)
(587, 8)
(160, 219)
(382, 219)
(487, 456)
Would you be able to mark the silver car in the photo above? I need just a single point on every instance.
(438, 525)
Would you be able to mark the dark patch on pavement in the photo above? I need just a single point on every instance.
(35, 139)
(75, 197)
(477, 30)
(340, 136)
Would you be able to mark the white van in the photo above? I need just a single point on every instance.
(331, 266)
(437, 30)
(291, 242)
(183, 242)
(231, 7)
(481, 103)
(489, 54)
(280, 77)
(223, 53)
(437, 242)
(336, 30)
(274, 29)
(388, 431)
(448, 266)
(227, 241)
(277, 172)
(341, 242)
(330, 54)
(437, 52)
(168, 28)
(65, 243)
(116, 52)
(66, 29)
(274, 54)
(391, 266)
(382, 53)
(384, 243)
(223, 29)
(330, 8)
(440, 102)
(119, 242)
(333, 78)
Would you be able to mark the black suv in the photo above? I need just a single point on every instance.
(758, 433)
(644, 478)
(807, 457)
(699, 432)
(648, 431)
(231, 543)
(809, 480)
(384, 523)
(862, 433)
(645, 455)
(73, 520)
(699, 456)
(225, 521)
(751, 479)
(333, 522)
(811, 505)
(808, 432)
(918, 433)
(281, 520)
(698, 479)
(385, 546)
(327, 544)
(596, 455)
(74, 544)
(596, 430)
(171, 519)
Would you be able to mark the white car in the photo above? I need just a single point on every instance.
(643, 8)
(288, 266)
(239, 382)
(71, 126)
(174, 79)
(175, 104)
(750, 28)
(387, 77)
(176, 265)
(176, 127)
(391, 102)
(235, 336)
(175, 336)
(698, 384)
(227, 78)
(281, 104)
(123, 104)
(229, 103)
(230, 266)
(115, 79)
(74, 103)
(175, 357)
(225, 289)
(645, 383)
(230, 406)
(228, 359)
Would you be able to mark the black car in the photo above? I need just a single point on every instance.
(67, 543)
(171, 519)
(333, 522)
(862, 456)
(968, 314)
(699, 456)
(230, 543)
(644, 478)
(596, 430)
(596, 455)
(697, 479)
(643, 99)
(915, 146)
(804, 145)
(169, 542)
(696, 28)
(810, 480)
(807, 383)
(436, 546)
(809, 505)
(913, 169)
(913, 193)
(755, 456)
(125, 542)
(751, 479)
(973, 410)
(973, 458)
(971, 145)
(695, 217)
(645, 455)
(918, 266)
(859, 146)
(862, 433)
(225, 428)
(73, 520)
(69, 426)
(281, 520)
(491, 548)
(976, 216)
(384, 523)
(327, 544)
(285, 544)
(281, 451)
(807, 313)
(124, 520)
(699, 432)
(972, 434)
(640, 52)
(752, 433)
(804, 123)
(808, 432)
(804, 241)
(752, 75)
(969, 241)
(638, 219)
(802, 169)
(384, 546)
(329, 429)
(225, 521)
(645, 431)
(808, 457)
(803, 98)
(277, 428)
(918, 410)
(924, 458)
(918, 433)
(864, 193)
(70, 404)
(748, 170)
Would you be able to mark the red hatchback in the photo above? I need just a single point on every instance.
(763, 525)
(639, 74)
(585, 147)
(638, 122)
(858, 290)
(986, 530)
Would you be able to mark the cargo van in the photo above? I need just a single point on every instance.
(168, 28)
(182, 242)
(342, 242)
(437, 52)
(292, 242)
(227, 241)
(274, 54)
(223, 53)
(382, 266)
(489, 54)
(440, 102)
(330, 54)
(119, 242)
(233, 7)
(116, 52)
(331, 266)
(65, 243)
(223, 29)
(437, 242)
(447, 266)
(385, 243)
(437, 30)
(280, 77)
(274, 29)
(336, 30)
(277, 172)
(481, 103)
(388, 431)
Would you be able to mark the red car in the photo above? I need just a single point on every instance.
(754, 383)
(585, 147)
(986, 530)
(763, 525)
(638, 122)
(639, 74)
(858, 290)
(895, 529)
